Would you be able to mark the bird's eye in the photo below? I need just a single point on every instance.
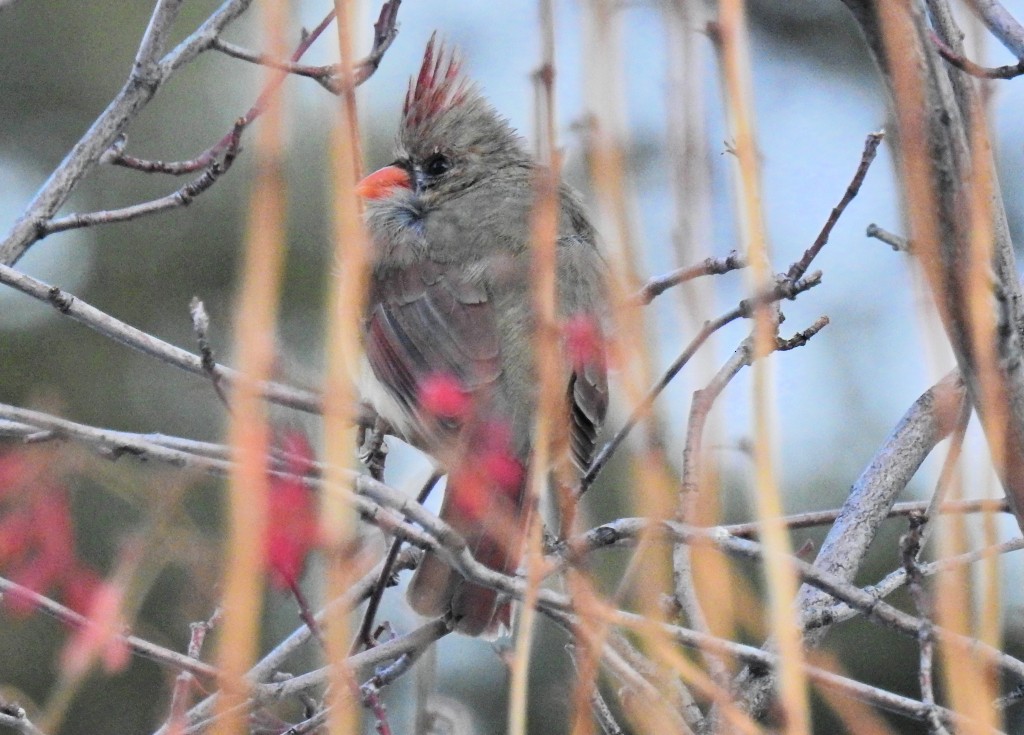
(436, 165)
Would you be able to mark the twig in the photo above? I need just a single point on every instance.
(320, 74)
(969, 67)
(826, 517)
(764, 660)
(272, 661)
(385, 30)
(117, 443)
(801, 338)
(13, 716)
(707, 267)
(684, 591)
(797, 270)
(364, 638)
(839, 612)
(180, 198)
(602, 713)
(373, 452)
(1002, 25)
(73, 307)
(410, 645)
(148, 74)
(831, 584)
(306, 612)
(139, 646)
(784, 290)
(897, 243)
(201, 330)
(910, 548)
(184, 682)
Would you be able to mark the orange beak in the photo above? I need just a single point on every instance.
(380, 183)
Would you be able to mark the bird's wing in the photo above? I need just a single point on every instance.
(425, 320)
(588, 403)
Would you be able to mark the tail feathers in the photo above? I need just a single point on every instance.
(436, 589)
(493, 523)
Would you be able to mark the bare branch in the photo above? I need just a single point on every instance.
(145, 79)
(897, 243)
(976, 70)
(871, 143)
(138, 646)
(785, 289)
(1001, 24)
(13, 716)
(926, 423)
(385, 30)
(130, 336)
(708, 267)
(910, 549)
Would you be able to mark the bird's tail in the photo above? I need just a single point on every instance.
(484, 503)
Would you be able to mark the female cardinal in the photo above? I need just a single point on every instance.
(449, 323)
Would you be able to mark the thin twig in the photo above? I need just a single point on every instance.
(184, 681)
(320, 74)
(77, 309)
(897, 243)
(139, 646)
(149, 73)
(201, 330)
(15, 717)
(825, 517)
(871, 143)
(116, 444)
(602, 712)
(385, 30)
(182, 197)
(707, 267)
(969, 67)
(1001, 24)
(364, 639)
(910, 548)
(783, 290)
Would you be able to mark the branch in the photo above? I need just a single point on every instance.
(1001, 24)
(115, 444)
(956, 214)
(871, 143)
(928, 421)
(73, 307)
(785, 289)
(385, 30)
(975, 70)
(138, 646)
(13, 716)
(897, 243)
(147, 76)
(320, 74)
(910, 549)
(708, 267)
(180, 198)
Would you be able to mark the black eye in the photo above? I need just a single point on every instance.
(436, 165)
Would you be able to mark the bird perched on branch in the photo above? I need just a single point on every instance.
(449, 328)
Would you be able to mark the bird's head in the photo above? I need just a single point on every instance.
(450, 139)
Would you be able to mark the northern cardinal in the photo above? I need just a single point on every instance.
(449, 323)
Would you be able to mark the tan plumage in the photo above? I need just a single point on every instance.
(450, 300)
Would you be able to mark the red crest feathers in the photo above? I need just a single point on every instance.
(438, 87)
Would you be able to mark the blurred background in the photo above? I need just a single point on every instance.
(817, 97)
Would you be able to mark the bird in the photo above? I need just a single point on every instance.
(449, 324)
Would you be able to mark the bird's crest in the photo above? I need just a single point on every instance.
(438, 87)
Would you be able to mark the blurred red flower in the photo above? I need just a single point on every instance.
(293, 530)
(37, 540)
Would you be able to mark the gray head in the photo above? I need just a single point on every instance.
(451, 137)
